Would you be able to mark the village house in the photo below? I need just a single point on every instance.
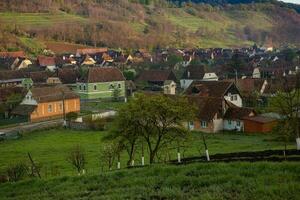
(156, 77)
(210, 112)
(21, 63)
(91, 51)
(217, 89)
(169, 87)
(196, 73)
(46, 62)
(88, 61)
(192, 73)
(101, 82)
(14, 78)
(44, 103)
(233, 118)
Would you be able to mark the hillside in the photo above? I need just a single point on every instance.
(125, 24)
(240, 181)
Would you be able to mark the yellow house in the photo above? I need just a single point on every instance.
(88, 60)
(44, 103)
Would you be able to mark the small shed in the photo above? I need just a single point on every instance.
(259, 124)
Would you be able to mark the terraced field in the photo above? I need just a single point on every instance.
(39, 19)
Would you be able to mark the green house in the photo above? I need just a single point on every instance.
(101, 83)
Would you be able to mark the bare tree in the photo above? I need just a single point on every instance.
(76, 157)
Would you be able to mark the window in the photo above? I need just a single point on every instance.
(79, 87)
(119, 85)
(60, 106)
(50, 108)
(95, 87)
(203, 124)
(191, 125)
(238, 123)
(111, 86)
(229, 122)
(233, 97)
(84, 87)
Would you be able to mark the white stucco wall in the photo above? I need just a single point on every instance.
(210, 77)
(256, 73)
(51, 68)
(233, 125)
(238, 102)
(28, 100)
(218, 125)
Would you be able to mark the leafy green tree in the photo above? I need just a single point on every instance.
(71, 116)
(158, 120)
(287, 103)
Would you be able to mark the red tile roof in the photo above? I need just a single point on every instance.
(103, 74)
(46, 61)
(14, 54)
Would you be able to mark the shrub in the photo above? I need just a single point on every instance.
(16, 171)
(76, 157)
(97, 124)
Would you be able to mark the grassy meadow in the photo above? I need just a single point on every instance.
(49, 148)
(211, 181)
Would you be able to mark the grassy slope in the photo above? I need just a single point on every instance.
(39, 19)
(240, 181)
(50, 148)
(219, 28)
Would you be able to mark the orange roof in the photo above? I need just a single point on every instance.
(13, 54)
(91, 51)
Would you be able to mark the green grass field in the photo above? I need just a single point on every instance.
(50, 148)
(222, 181)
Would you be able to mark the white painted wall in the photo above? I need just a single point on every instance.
(28, 100)
(238, 102)
(51, 68)
(233, 125)
(210, 77)
(185, 83)
(256, 73)
(218, 125)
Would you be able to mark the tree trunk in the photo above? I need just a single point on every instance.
(152, 156)
(131, 155)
